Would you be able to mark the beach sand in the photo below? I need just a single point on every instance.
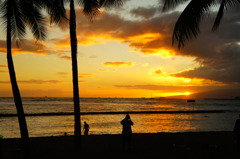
(192, 145)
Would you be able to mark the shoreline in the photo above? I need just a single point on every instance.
(219, 144)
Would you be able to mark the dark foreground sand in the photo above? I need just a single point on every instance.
(197, 145)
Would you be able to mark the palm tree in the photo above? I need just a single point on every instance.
(15, 19)
(90, 9)
(187, 25)
(17, 14)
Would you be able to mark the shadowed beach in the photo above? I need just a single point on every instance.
(194, 145)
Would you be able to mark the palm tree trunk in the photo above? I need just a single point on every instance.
(16, 92)
(73, 37)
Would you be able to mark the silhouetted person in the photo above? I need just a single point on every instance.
(126, 132)
(237, 131)
(86, 128)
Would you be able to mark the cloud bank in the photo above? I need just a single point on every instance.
(217, 53)
(150, 32)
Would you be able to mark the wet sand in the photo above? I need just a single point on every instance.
(194, 145)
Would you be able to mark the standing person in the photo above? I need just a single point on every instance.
(126, 132)
(86, 128)
(237, 131)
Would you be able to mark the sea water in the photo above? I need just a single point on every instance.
(104, 123)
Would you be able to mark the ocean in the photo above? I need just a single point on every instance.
(50, 116)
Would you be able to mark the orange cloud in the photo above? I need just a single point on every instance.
(66, 57)
(4, 71)
(64, 74)
(3, 66)
(146, 36)
(118, 64)
(61, 43)
(33, 81)
(67, 75)
(159, 72)
(85, 75)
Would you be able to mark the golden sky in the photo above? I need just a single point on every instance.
(127, 52)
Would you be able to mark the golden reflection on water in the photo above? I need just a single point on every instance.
(164, 123)
(103, 124)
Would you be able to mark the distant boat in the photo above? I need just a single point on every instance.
(190, 100)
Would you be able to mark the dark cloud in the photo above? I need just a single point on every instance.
(222, 66)
(165, 88)
(31, 46)
(143, 12)
(217, 52)
(27, 46)
(146, 36)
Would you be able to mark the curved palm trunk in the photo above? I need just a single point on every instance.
(73, 37)
(16, 92)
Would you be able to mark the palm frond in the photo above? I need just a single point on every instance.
(169, 4)
(219, 15)
(4, 10)
(231, 3)
(90, 8)
(225, 5)
(110, 3)
(17, 20)
(55, 9)
(187, 26)
(36, 21)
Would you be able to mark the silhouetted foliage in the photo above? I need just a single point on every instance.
(17, 15)
(187, 25)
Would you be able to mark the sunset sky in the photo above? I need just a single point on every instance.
(127, 52)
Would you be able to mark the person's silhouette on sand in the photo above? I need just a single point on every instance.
(126, 132)
(86, 128)
(237, 131)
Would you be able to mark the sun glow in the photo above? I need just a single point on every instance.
(186, 93)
